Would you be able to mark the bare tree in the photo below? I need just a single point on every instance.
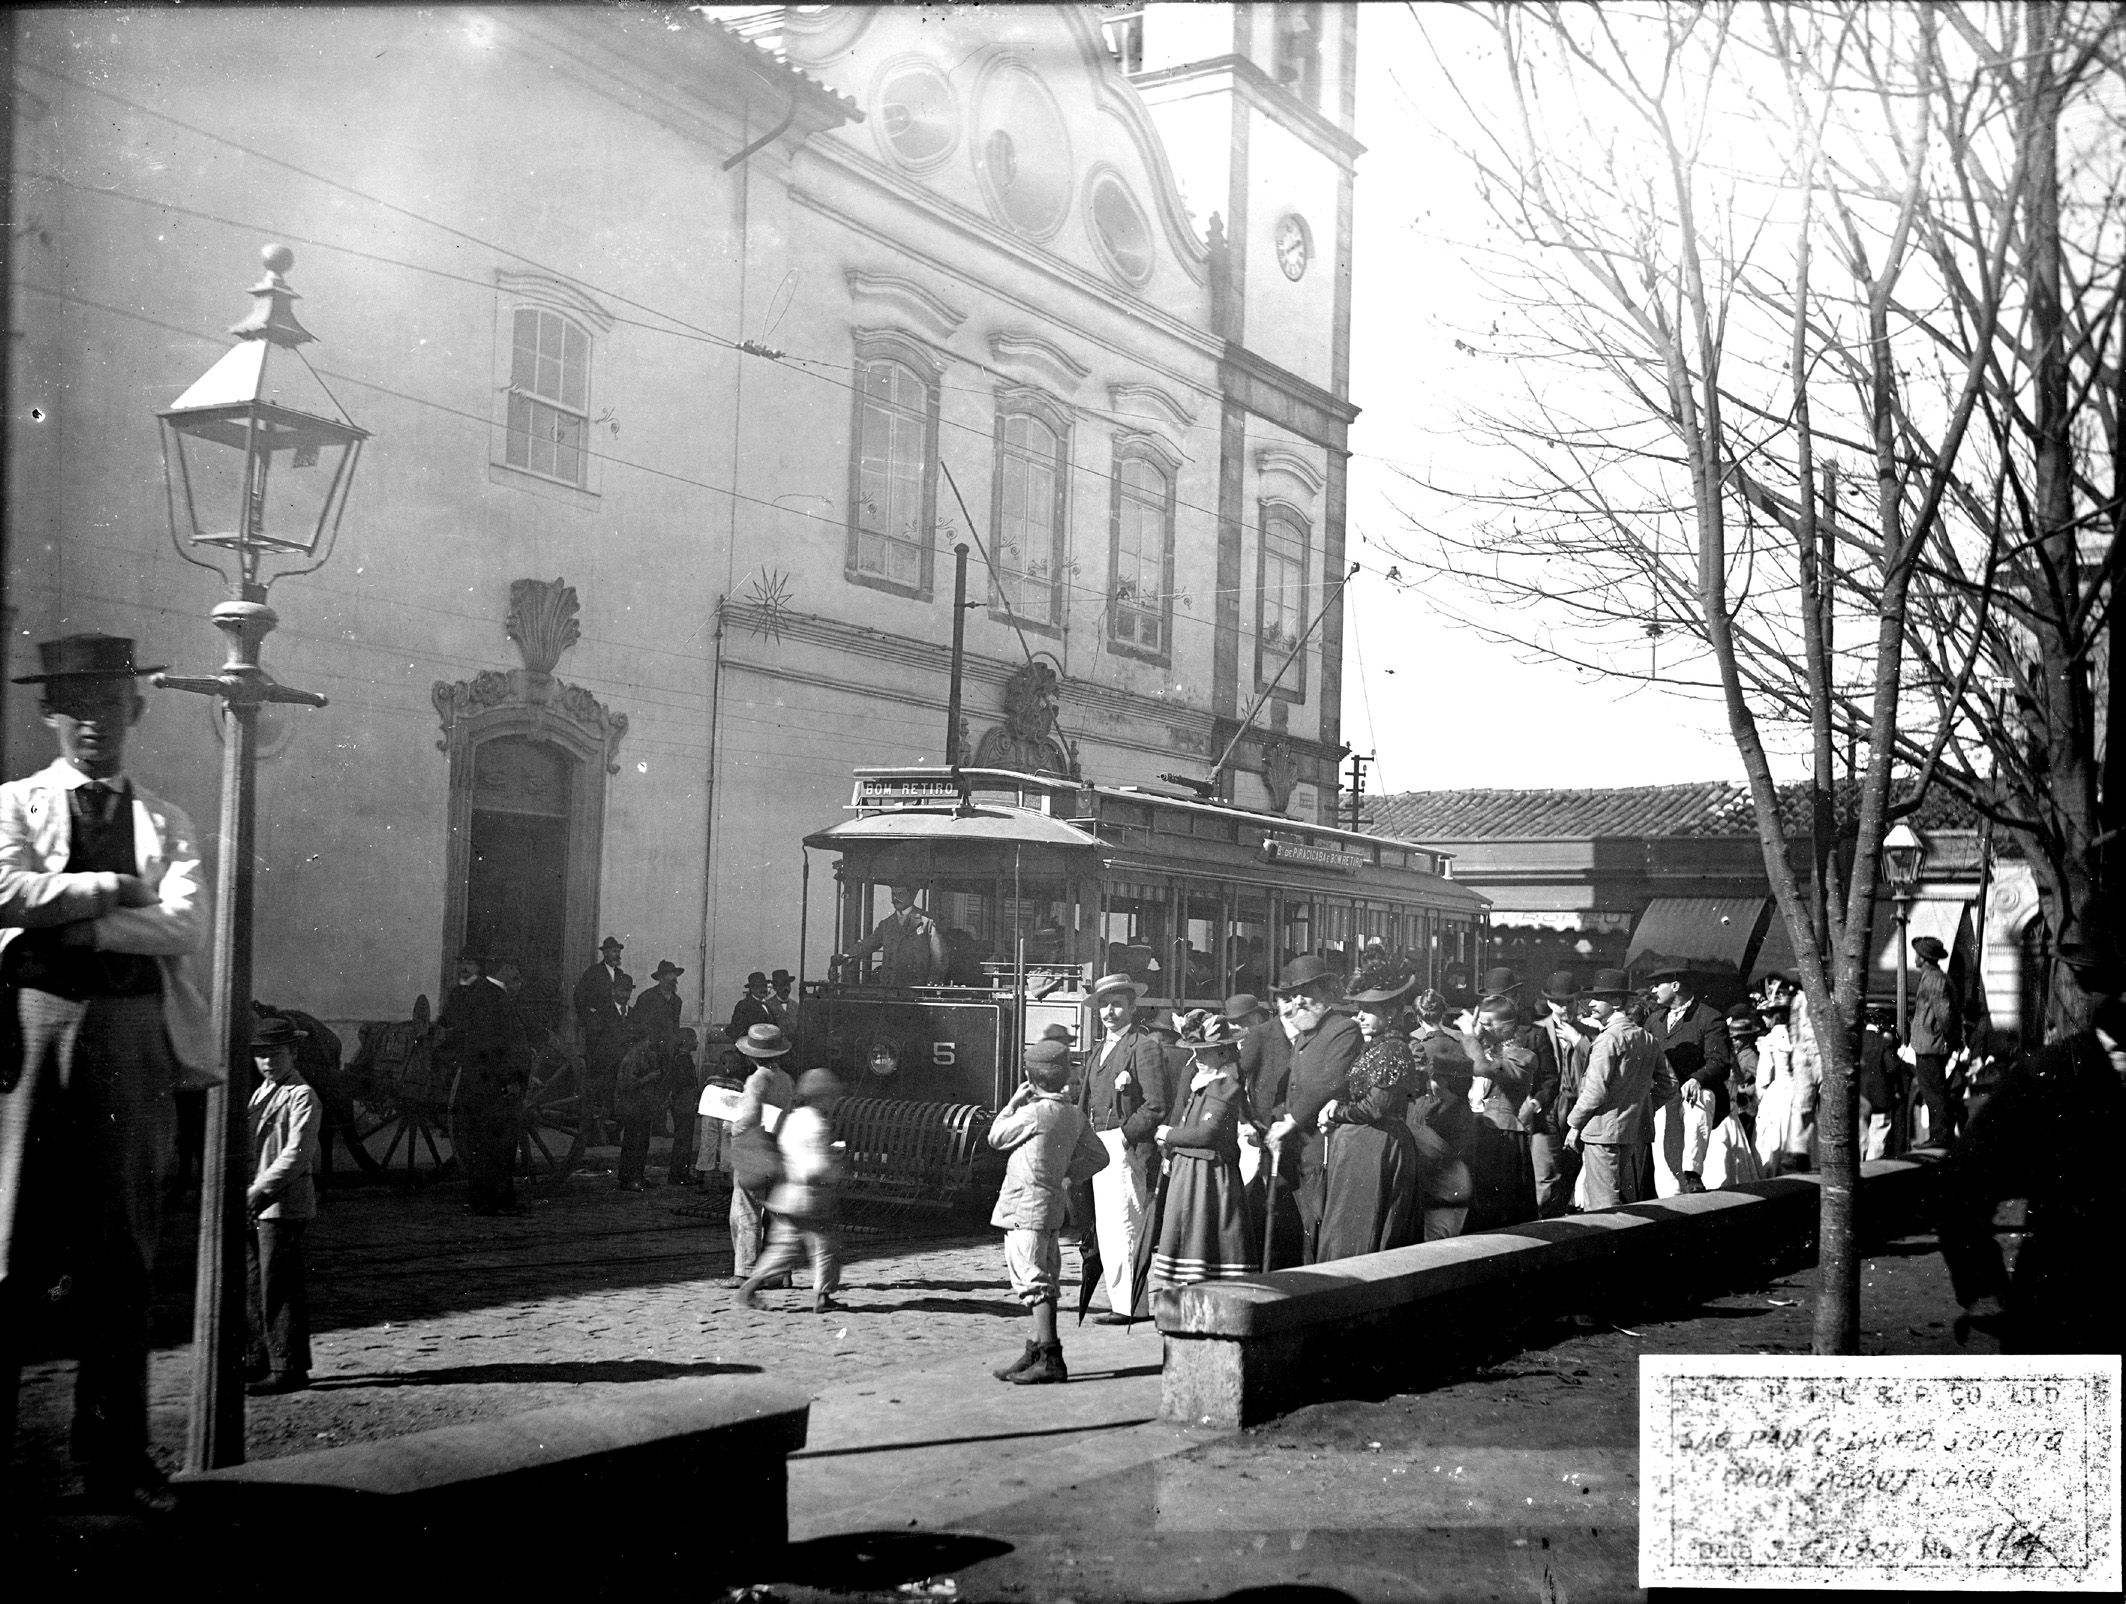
(1755, 255)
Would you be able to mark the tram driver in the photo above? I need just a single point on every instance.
(911, 942)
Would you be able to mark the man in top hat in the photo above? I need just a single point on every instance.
(104, 923)
(2048, 1134)
(1556, 1165)
(912, 944)
(1124, 1097)
(481, 1035)
(286, 1116)
(752, 1007)
(1936, 1034)
(1679, 1023)
(1325, 1044)
(1608, 1123)
(770, 1094)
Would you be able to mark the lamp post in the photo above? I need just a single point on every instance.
(1904, 852)
(243, 468)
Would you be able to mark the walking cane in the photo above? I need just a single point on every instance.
(1269, 1218)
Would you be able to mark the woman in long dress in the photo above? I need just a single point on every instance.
(1206, 1232)
(1371, 1202)
(1786, 1085)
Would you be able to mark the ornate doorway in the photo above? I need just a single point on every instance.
(529, 756)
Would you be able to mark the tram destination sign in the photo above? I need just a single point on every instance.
(1300, 854)
(905, 791)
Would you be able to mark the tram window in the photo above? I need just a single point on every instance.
(1334, 933)
(1136, 933)
(1297, 940)
(1247, 947)
(1201, 940)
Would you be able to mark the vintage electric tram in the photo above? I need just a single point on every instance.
(1040, 884)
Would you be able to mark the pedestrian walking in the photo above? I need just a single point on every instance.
(1124, 1098)
(1052, 1148)
(804, 1203)
(286, 1116)
(1370, 1198)
(768, 1097)
(104, 924)
(1206, 1232)
(1610, 1121)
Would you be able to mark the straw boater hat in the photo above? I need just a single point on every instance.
(1117, 982)
(764, 1041)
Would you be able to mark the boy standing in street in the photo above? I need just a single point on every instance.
(286, 1115)
(1052, 1147)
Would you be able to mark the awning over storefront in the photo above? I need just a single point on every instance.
(1947, 919)
(1707, 935)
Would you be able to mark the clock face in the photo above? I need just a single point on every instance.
(1294, 246)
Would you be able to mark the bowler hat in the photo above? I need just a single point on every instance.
(1562, 986)
(1117, 982)
(274, 1031)
(757, 981)
(1669, 971)
(780, 976)
(1301, 973)
(1498, 980)
(764, 1041)
(86, 656)
(1929, 947)
(1058, 1033)
(614, 943)
(665, 966)
(1241, 1004)
(1742, 1020)
(1610, 983)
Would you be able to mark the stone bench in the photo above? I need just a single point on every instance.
(1240, 1352)
(682, 1478)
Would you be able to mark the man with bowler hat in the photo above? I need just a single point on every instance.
(751, 1008)
(1556, 1165)
(1937, 1027)
(1325, 1045)
(104, 923)
(780, 1003)
(1678, 1023)
(1608, 1123)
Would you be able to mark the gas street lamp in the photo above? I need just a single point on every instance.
(258, 459)
(1904, 854)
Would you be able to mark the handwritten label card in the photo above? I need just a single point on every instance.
(1906, 1473)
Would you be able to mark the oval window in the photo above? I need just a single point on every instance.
(1023, 154)
(916, 115)
(1120, 229)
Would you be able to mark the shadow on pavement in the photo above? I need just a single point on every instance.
(571, 1370)
(1002, 1308)
(947, 1442)
(857, 1562)
(1287, 1593)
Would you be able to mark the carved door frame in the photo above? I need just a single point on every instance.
(542, 709)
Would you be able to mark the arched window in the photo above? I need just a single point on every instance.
(1026, 513)
(1281, 602)
(893, 481)
(549, 395)
(1140, 610)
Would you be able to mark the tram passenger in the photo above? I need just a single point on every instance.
(1207, 1232)
(1324, 1046)
(912, 945)
(1370, 1203)
(1125, 1098)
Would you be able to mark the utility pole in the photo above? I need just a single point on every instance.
(1357, 790)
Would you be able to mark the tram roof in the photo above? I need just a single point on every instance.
(1057, 785)
(1003, 826)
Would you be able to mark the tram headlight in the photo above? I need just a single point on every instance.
(884, 1061)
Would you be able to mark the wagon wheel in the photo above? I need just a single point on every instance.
(549, 1126)
(386, 1131)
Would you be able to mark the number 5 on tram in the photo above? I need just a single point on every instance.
(1017, 891)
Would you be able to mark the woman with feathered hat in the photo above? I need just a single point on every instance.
(1371, 1204)
(1206, 1232)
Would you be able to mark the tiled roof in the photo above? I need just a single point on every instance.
(1711, 807)
(1704, 808)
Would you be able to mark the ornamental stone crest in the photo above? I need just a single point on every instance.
(1028, 739)
(1280, 772)
(542, 621)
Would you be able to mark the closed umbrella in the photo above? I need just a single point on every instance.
(1147, 1244)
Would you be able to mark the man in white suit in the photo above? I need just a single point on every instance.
(103, 921)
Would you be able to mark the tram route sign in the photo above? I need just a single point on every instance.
(905, 791)
(1274, 849)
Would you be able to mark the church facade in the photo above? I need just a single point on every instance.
(692, 350)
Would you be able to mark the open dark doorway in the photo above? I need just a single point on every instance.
(516, 892)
